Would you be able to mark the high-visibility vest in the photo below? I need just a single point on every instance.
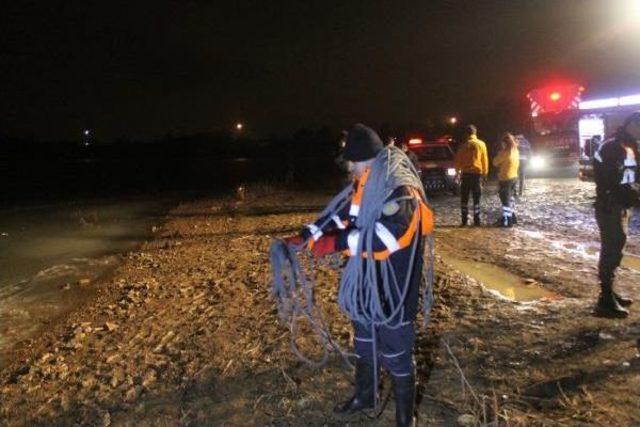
(421, 219)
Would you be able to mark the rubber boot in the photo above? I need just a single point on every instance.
(608, 306)
(514, 219)
(476, 220)
(465, 217)
(363, 397)
(404, 389)
(623, 301)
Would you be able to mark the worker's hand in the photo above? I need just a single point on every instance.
(294, 242)
(484, 180)
(325, 245)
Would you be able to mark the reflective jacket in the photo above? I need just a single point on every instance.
(395, 231)
(472, 157)
(615, 167)
(507, 162)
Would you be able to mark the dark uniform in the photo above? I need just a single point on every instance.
(394, 233)
(524, 148)
(405, 217)
(616, 174)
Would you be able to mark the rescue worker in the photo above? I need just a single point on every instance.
(524, 149)
(395, 231)
(616, 175)
(404, 146)
(472, 162)
(507, 161)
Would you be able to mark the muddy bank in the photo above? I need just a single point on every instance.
(187, 334)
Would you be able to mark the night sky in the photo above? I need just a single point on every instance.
(145, 68)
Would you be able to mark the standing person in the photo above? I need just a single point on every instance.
(594, 144)
(616, 174)
(507, 161)
(404, 146)
(472, 162)
(524, 148)
(385, 240)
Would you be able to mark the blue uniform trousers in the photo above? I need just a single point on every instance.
(394, 347)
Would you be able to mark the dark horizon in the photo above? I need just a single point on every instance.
(147, 69)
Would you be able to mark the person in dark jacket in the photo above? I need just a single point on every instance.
(401, 221)
(524, 150)
(616, 174)
(404, 146)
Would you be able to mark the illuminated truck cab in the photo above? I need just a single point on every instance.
(555, 137)
(567, 130)
(599, 120)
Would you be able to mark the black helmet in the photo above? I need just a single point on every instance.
(363, 143)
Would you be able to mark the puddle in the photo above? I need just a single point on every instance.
(631, 261)
(500, 281)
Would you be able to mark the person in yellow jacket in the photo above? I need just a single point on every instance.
(507, 161)
(472, 163)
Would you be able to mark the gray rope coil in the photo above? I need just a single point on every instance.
(365, 295)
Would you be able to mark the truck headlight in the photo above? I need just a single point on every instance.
(451, 172)
(538, 162)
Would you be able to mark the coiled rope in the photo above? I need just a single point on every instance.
(368, 295)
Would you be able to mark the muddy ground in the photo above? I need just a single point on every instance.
(186, 333)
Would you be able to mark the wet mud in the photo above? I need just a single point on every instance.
(186, 332)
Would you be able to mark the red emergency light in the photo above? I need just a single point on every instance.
(415, 141)
(554, 99)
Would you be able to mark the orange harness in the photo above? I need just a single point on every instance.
(422, 217)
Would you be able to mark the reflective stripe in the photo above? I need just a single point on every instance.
(352, 241)
(363, 339)
(387, 238)
(315, 231)
(338, 222)
(597, 156)
(401, 375)
(629, 174)
(354, 210)
(389, 356)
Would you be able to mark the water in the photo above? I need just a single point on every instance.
(500, 281)
(50, 256)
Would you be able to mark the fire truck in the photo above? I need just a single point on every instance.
(555, 134)
(567, 128)
(599, 120)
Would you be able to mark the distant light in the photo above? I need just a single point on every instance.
(555, 96)
(599, 103)
(451, 172)
(629, 100)
(538, 162)
(86, 132)
(415, 141)
(239, 126)
(453, 120)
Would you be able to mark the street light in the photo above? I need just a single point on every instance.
(453, 120)
(239, 126)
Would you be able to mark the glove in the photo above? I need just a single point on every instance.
(326, 245)
(294, 241)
